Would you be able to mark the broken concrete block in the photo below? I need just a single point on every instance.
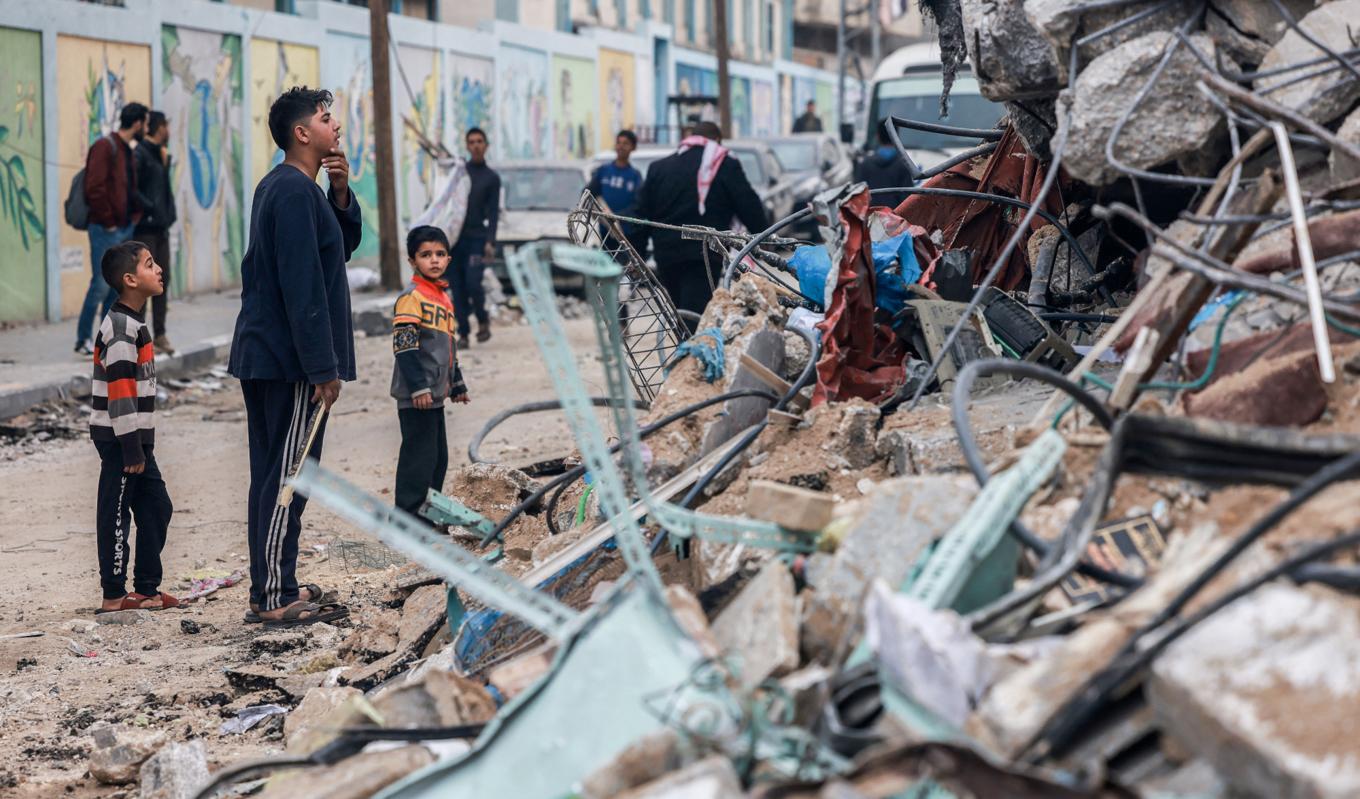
(883, 539)
(118, 752)
(177, 771)
(1268, 691)
(277, 643)
(805, 691)
(710, 778)
(1325, 96)
(318, 705)
(692, 619)
(421, 617)
(358, 777)
(514, 676)
(375, 637)
(1344, 168)
(649, 758)
(1011, 58)
(123, 617)
(1062, 22)
(1172, 120)
(1280, 392)
(489, 488)
(789, 506)
(252, 678)
(439, 699)
(760, 626)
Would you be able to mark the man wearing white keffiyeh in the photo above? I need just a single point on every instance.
(698, 185)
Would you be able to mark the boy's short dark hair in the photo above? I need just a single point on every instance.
(131, 114)
(629, 135)
(477, 131)
(293, 106)
(155, 120)
(422, 234)
(119, 260)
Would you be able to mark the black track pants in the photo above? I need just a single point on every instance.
(122, 499)
(424, 457)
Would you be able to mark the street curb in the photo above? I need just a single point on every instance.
(372, 315)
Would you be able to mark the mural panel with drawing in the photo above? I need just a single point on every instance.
(618, 76)
(575, 108)
(470, 89)
(201, 94)
(762, 109)
(23, 273)
(347, 72)
(741, 107)
(522, 111)
(691, 81)
(97, 78)
(420, 103)
(275, 67)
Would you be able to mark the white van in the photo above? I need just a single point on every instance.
(907, 84)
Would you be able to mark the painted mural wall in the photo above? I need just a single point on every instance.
(575, 109)
(525, 129)
(691, 81)
(97, 78)
(740, 98)
(347, 72)
(23, 232)
(762, 109)
(471, 94)
(419, 102)
(618, 95)
(202, 97)
(275, 67)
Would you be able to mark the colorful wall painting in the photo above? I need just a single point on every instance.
(23, 232)
(97, 78)
(347, 72)
(575, 109)
(522, 110)
(275, 67)
(471, 93)
(420, 102)
(741, 107)
(201, 95)
(826, 105)
(762, 109)
(618, 109)
(693, 81)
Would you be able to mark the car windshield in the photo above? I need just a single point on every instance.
(918, 97)
(542, 188)
(797, 155)
(750, 163)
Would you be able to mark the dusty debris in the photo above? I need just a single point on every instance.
(177, 771)
(358, 777)
(761, 624)
(119, 751)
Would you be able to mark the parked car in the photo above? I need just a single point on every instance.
(767, 176)
(536, 197)
(816, 162)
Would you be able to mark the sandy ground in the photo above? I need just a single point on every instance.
(156, 674)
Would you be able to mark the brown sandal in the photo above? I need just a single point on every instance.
(292, 616)
(134, 602)
(314, 594)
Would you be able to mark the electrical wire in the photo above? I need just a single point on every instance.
(1064, 724)
(537, 496)
(475, 445)
(972, 453)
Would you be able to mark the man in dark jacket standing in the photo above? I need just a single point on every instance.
(476, 244)
(809, 122)
(111, 195)
(152, 159)
(701, 184)
(294, 339)
(884, 169)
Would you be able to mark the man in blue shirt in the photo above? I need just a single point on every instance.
(617, 182)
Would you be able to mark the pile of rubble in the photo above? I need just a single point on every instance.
(859, 546)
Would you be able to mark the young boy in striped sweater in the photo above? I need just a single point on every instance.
(123, 429)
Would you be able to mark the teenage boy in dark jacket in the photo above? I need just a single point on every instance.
(294, 339)
(152, 160)
(476, 244)
(426, 370)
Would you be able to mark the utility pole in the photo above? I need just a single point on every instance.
(840, 65)
(385, 160)
(724, 82)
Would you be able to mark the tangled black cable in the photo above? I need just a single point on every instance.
(972, 454)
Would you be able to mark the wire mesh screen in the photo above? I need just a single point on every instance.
(651, 328)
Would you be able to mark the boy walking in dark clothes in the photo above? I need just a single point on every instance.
(294, 339)
(122, 425)
(476, 244)
(426, 369)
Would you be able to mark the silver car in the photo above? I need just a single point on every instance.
(536, 197)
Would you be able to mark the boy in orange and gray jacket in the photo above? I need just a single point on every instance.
(426, 370)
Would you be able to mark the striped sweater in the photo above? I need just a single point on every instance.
(124, 383)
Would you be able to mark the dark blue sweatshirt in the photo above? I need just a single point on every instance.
(295, 323)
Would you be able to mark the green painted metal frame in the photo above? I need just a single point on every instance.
(447, 510)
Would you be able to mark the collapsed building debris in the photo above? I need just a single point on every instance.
(1037, 484)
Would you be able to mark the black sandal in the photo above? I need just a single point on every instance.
(292, 615)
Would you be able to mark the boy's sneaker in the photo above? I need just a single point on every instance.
(462, 342)
(84, 348)
(483, 334)
(162, 344)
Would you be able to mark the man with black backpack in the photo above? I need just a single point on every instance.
(113, 211)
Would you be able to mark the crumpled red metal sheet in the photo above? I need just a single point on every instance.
(981, 225)
(860, 358)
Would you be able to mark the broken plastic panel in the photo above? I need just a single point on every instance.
(447, 510)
